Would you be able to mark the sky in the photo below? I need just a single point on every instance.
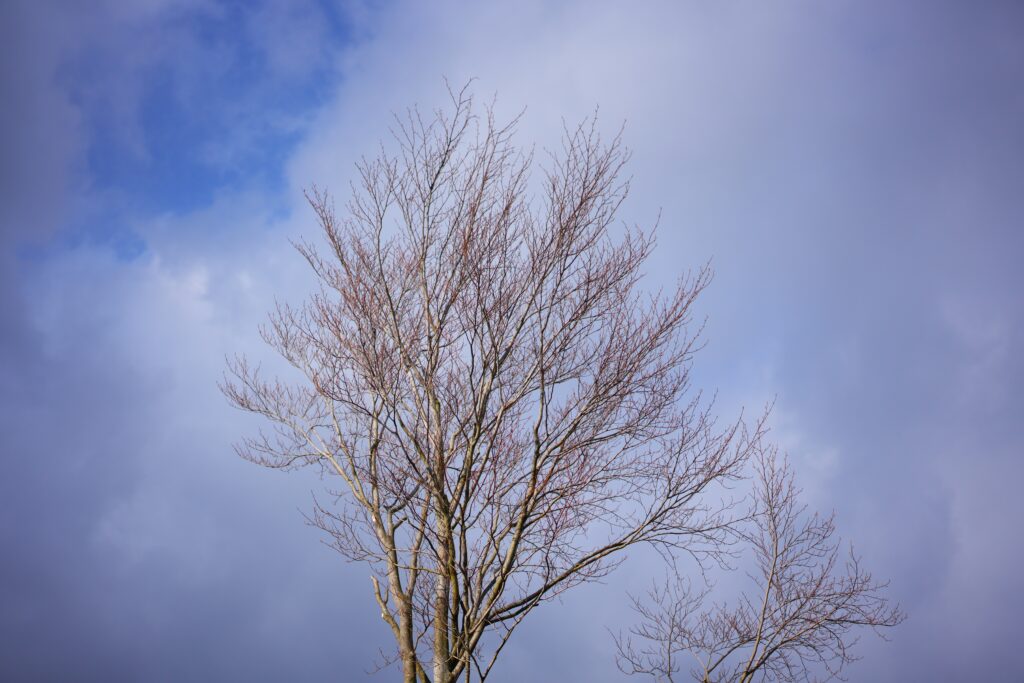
(853, 170)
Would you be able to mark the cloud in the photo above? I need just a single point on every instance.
(853, 173)
(39, 128)
(851, 176)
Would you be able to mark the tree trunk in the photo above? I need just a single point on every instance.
(442, 652)
(405, 645)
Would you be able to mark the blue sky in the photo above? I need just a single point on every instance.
(853, 169)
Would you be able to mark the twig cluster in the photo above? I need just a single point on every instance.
(799, 621)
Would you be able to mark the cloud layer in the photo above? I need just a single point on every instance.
(853, 169)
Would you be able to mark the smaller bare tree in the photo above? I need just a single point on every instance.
(802, 619)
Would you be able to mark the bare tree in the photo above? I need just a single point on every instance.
(505, 412)
(802, 619)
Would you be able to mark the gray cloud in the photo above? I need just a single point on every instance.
(39, 129)
(854, 171)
